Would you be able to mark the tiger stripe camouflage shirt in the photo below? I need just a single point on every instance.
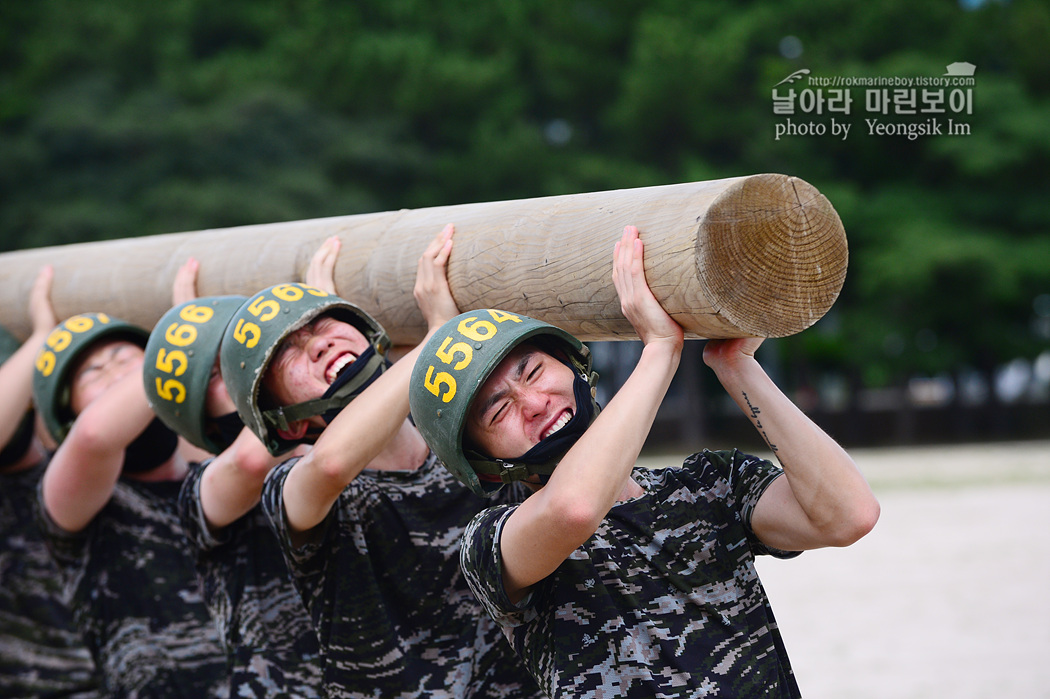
(130, 582)
(381, 580)
(662, 601)
(41, 652)
(270, 643)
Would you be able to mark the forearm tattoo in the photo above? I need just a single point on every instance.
(753, 412)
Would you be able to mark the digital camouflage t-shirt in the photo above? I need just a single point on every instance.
(130, 581)
(41, 652)
(270, 642)
(381, 580)
(662, 601)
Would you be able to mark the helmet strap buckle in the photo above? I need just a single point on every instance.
(512, 472)
(278, 419)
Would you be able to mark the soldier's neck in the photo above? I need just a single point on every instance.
(405, 452)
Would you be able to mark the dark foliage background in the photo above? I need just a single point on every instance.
(120, 118)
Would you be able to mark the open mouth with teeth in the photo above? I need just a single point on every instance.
(339, 366)
(558, 424)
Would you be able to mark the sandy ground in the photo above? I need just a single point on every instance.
(949, 596)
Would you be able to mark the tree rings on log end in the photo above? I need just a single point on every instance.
(771, 254)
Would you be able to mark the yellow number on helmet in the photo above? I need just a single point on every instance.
(247, 333)
(288, 292)
(196, 314)
(171, 390)
(79, 324)
(59, 339)
(435, 382)
(181, 335)
(503, 316)
(475, 329)
(45, 362)
(264, 309)
(172, 362)
(448, 354)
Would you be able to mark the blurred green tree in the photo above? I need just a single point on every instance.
(120, 118)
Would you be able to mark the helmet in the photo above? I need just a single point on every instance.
(451, 368)
(180, 355)
(254, 334)
(67, 343)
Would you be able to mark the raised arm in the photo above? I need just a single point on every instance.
(80, 477)
(232, 482)
(16, 374)
(365, 429)
(595, 472)
(823, 500)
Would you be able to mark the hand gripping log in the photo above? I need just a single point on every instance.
(761, 255)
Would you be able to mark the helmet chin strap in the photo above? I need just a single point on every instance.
(225, 429)
(544, 456)
(155, 445)
(354, 379)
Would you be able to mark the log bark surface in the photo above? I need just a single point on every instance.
(760, 255)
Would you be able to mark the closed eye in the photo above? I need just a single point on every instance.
(496, 416)
(98, 365)
(87, 371)
(284, 356)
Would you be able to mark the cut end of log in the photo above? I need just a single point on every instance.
(772, 255)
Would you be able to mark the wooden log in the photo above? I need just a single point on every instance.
(760, 255)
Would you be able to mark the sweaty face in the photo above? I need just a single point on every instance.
(529, 396)
(102, 366)
(311, 358)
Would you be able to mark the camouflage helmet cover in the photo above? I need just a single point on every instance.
(180, 355)
(253, 336)
(453, 365)
(52, 383)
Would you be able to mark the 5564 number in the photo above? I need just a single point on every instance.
(458, 355)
